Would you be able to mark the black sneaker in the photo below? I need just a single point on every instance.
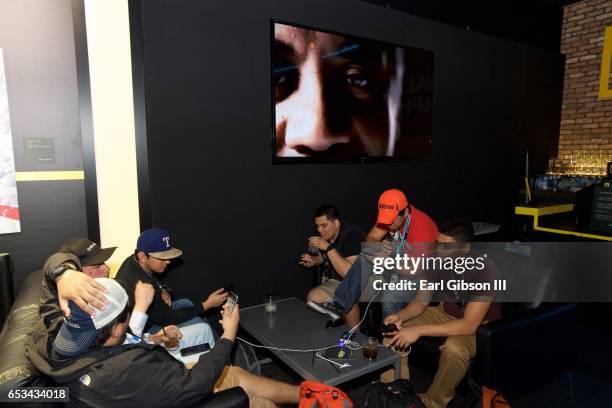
(329, 307)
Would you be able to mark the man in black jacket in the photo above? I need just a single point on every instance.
(152, 256)
(108, 372)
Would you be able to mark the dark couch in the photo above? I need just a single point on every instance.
(517, 353)
(17, 371)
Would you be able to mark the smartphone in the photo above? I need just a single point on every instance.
(232, 299)
(200, 348)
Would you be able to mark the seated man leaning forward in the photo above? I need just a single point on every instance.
(93, 360)
(398, 224)
(457, 321)
(153, 254)
(338, 245)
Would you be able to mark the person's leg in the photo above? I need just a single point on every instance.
(181, 303)
(153, 329)
(352, 318)
(323, 292)
(176, 304)
(348, 292)
(317, 295)
(262, 391)
(194, 332)
(455, 356)
(431, 315)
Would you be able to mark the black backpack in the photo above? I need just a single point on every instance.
(398, 394)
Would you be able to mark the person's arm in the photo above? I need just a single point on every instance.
(154, 378)
(376, 234)
(144, 294)
(163, 315)
(340, 264)
(309, 261)
(410, 311)
(73, 285)
(473, 317)
(157, 375)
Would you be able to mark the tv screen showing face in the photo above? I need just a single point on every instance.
(342, 98)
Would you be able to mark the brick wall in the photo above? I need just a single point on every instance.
(586, 120)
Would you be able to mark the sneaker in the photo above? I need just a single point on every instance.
(329, 307)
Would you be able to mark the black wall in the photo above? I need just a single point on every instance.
(208, 128)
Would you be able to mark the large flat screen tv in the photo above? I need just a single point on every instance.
(342, 98)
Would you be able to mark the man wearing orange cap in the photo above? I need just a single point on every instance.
(398, 222)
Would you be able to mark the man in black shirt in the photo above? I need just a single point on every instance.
(153, 254)
(338, 245)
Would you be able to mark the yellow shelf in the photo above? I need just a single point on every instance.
(545, 210)
(536, 212)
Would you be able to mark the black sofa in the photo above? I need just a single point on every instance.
(17, 371)
(515, 354)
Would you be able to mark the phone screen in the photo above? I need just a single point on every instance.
(200, 348)
(232, 299)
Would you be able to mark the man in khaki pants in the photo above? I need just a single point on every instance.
(457, 321)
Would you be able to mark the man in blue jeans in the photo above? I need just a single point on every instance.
(152, 256)
(398, 225)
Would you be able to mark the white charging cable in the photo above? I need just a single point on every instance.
(343, 365)
(285, 349)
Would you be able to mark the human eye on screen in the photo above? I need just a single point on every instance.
(285, 79)
(359, 82)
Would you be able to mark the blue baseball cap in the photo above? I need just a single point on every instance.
(79, 330)
(156, 242)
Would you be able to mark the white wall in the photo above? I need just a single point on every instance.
(108, 40)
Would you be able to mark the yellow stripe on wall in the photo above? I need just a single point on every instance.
(49, 175)
(606, 56)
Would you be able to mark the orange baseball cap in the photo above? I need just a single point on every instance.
(390, 203)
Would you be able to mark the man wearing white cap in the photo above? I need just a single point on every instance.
(101, 369)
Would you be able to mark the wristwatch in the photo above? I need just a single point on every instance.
(329, 248)
(58, 271)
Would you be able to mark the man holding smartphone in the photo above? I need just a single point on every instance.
(152, 256)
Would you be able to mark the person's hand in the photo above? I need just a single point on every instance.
(395, 320)
(404, 338)
(215, 299)
(318, 242)
(160, 337)
(307, 260)
(144, 293)
(166, 297)
(84, 291)
(230, 322)
(385, 248)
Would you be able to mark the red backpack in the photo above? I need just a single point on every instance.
(316, 395)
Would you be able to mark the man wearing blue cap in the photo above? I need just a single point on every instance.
(152, 256)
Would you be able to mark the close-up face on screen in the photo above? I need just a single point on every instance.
(342, 98)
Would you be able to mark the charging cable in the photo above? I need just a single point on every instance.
(285, 349)
(343, 365)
